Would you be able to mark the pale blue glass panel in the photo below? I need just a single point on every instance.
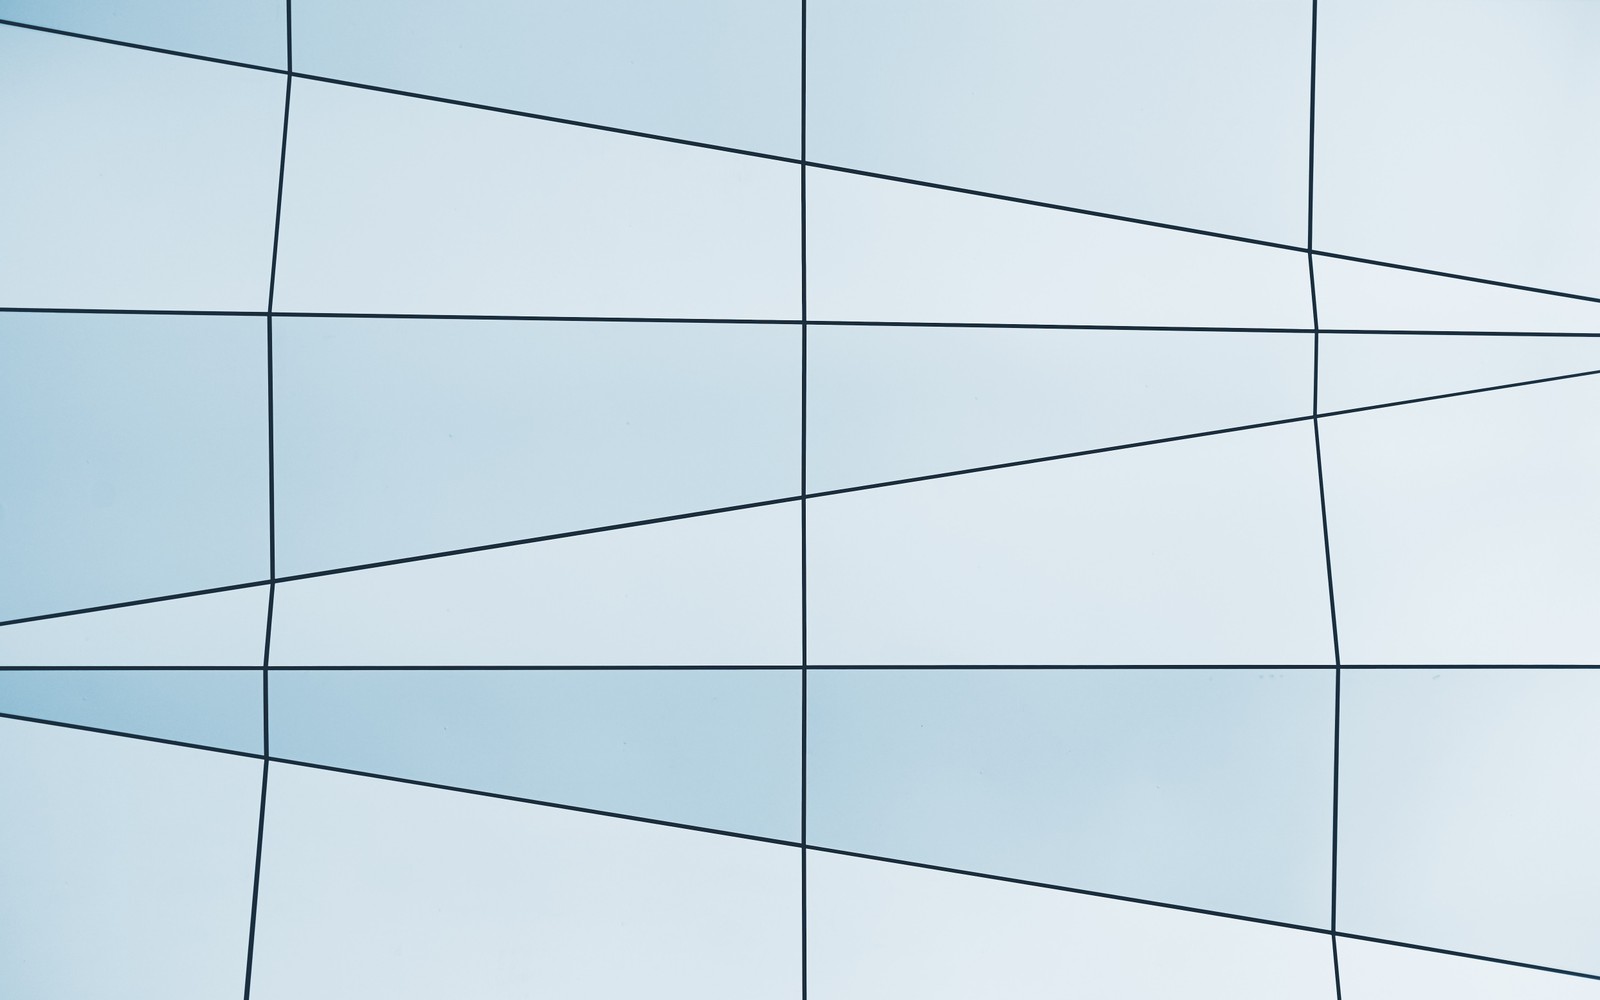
(878, 930)
(702, 591)
(218, 708)
(1360, 369)
(1466, 152)
(402, 437)
(879, 250)
(135, 457)
(1463, 530)
(399, 205)
(1188, 113)
(1370, 297)
(712, 748)
(377, 888)
(890, 402)
(1203, 551)
(1206, 788)
(134, 180)
(212, 630)
(718, 71)
(1369, 971)
(251, 31)
(1466, 820)
(127, 866)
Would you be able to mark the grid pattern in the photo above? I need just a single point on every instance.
(799, 500)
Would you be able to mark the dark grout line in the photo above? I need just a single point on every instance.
(1467, 954)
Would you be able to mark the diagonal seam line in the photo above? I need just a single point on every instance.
(791, 499)
(837, 168)
(771, 321)
(827, 850)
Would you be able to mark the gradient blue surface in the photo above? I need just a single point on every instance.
(1206, 788)
(1185, 113)
(136, 448)
(135, 180)
(403, 437)
(127, 866)
(212, 630)
(376, 888)
(214, 708)
(701, 591)
(720, 71)
(398, 205)
(711, 748)
(1466, 819)
(886, 403)
(251, 31)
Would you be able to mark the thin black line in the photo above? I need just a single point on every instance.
(792, 499)
(1468, 954)
(828, 850)
(1338, 984)
(563, 806)
(1460, 392)
(131, 312)
(554, 119)
(767, 321)
(1053, 206)
(140, 47)
(1065, 888)
(255, 885)
(686, 320)
(1459, 277)
(1019, 463)
(1322, 494)
(126, 735)
(774, 667)
(272, 499)
(837, 168)
(805, 629)
(135, 603)
(575, 533)
(1333, 895)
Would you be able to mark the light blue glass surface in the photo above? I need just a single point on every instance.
(1369, 297)
(723, 589)
(1358, 369)
(402, 437)
(1187, 113)
(717, 748)
(1451, 135)
(890, 402)
(718, 71)
(126, 866)
(135, 457)
(879, 930)
(134, 180)
(879, 250)
(376, 888)
(1203, 551)
(1463, 530)
(217, 708)
(1207, 788)
(398, 205)
(212, 630)
(1466, 814)
(1369, 971)
(251, 31)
